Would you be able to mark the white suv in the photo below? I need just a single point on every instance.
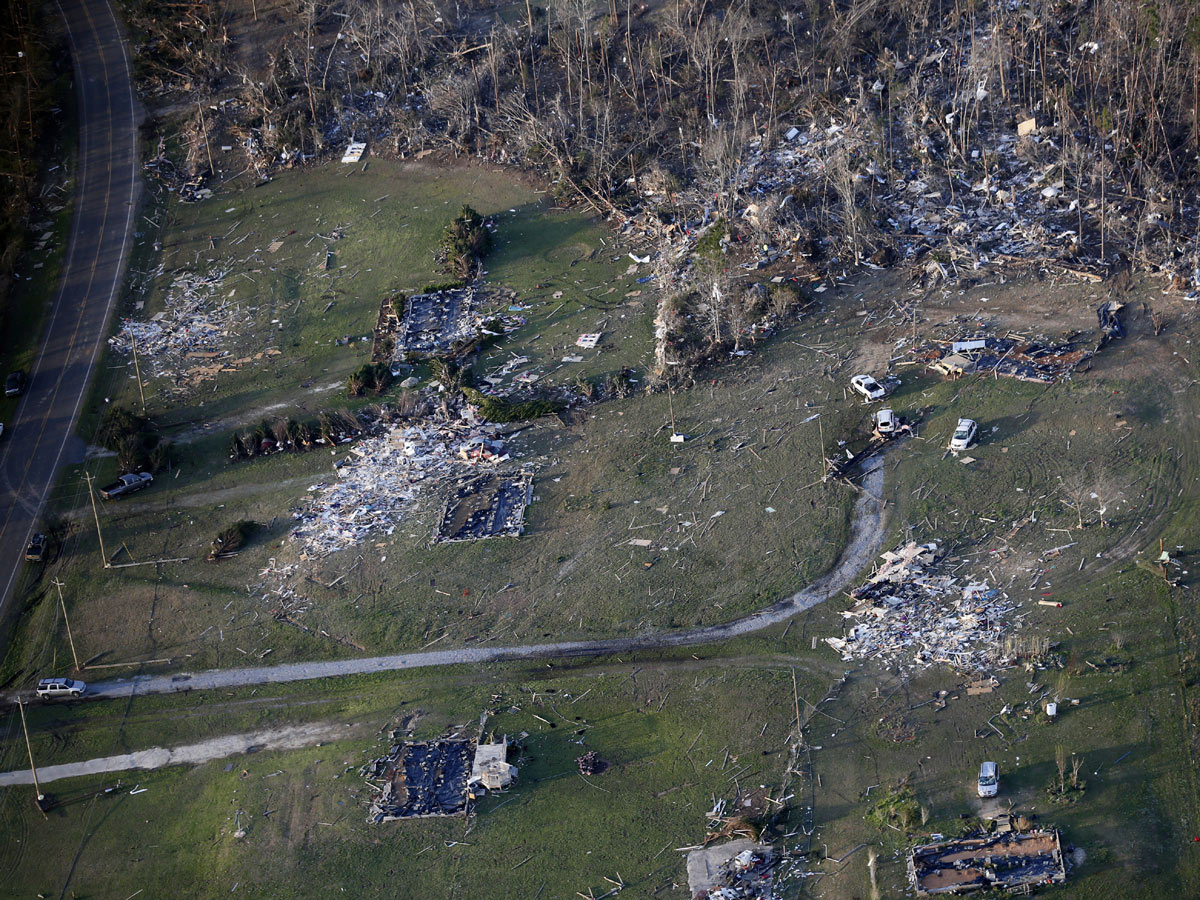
(49, 688)
(964, 434)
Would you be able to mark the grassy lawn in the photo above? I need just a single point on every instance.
(304, 811)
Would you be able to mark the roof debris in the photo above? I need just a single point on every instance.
(910, 615)
(1009, 861)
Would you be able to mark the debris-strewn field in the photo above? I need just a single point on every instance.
(454, 501)
(294, 823)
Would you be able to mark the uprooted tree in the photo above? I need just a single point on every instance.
(465, 242)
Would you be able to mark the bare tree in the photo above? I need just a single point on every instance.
(1075, 489)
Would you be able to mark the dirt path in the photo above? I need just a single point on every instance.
(866, 535)
(189, 754)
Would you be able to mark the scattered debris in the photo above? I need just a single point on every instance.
(1009, 861)
(906, 611)
(587, 341)
(354, 151)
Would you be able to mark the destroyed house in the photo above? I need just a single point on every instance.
(1012, 861)
(436, 321)
(420, 778)
(1013, 356)
(491, 767)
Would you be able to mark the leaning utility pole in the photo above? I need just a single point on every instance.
(70, 640)
(96, 514)
(29, 749)
(136, 368)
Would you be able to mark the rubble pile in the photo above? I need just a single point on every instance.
(1038, 359)
(385, 477)
(911, 615)
(186, 341)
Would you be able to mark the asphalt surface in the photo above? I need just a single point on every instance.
(38, 440)
(866, 535)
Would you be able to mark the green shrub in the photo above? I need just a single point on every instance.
(494, 409)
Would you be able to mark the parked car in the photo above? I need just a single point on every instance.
(886, 422)
(868, 387)
(37, 547)
(989, 780)
(964, 434)
(14, 384)
(49, 688)
(126, 484)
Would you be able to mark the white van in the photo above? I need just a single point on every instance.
(989, 780)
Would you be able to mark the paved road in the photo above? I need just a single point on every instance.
(106, 186)
(866, 535)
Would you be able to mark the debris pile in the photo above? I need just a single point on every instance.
(186, 341)
(910, 615)
(1010, 861)
(388, 473)
(591, 763)
(419, 779)
(738, 870)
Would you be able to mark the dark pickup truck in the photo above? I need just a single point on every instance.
(126, 484)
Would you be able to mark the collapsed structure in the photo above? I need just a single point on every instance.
(390, 472)
(738, 870)
(485, 506)
(189, 339)
(438, 321)
(491, 768)
(420, 778)
(909, 614)
(1012, 861)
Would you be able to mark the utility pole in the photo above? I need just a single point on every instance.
(820, 431)
(204, 128)
(32, 768)
(71, 640)
(136, 368)
(96, 514)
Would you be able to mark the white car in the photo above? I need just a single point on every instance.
(989, 780)
(964, 434)
(49, 688)
(886, 421)
(868, 387)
